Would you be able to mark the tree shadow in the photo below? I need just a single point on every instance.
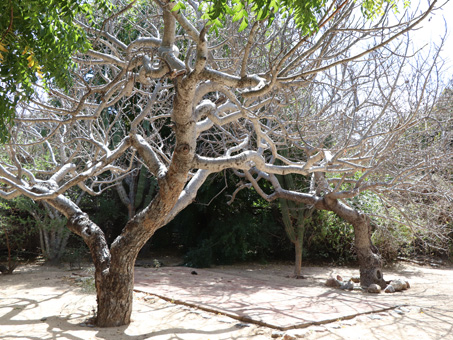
(61, 327)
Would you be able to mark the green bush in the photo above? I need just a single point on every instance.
(201, 256)
(388, 242)
(329, 238)
(17, 232)
(243, 237)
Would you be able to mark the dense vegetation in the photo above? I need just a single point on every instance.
(209, 232)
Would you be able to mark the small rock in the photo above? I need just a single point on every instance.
(288, 337)
(86, 324)
(241, 325)
(389, 289)
(277, 334)
(348, 285)
(259, 331)
(374, 288)
(194, 272)
(332, 282)
(43, 319)
(355, 279)
(398, 285)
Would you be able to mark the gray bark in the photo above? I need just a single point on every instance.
(370, 262)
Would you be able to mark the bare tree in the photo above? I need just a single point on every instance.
(160, 89)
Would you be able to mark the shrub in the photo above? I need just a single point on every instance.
(17, 234)
(242, 238)
(330, 238)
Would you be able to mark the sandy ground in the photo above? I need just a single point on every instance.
(40, 302)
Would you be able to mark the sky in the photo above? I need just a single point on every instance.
(433, 29)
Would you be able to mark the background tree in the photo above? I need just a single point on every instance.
(51, 225)
(295, 218)
(208, 101)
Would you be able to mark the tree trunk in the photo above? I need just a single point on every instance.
(114, 267)
(115, 295)
(370, 262)
(298, 259)
(131, 210)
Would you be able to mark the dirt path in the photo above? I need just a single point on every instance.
(49, 303)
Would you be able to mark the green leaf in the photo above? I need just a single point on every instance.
(244, 24)
(238, 16)
(179, 5)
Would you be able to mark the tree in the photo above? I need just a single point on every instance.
(53, 235)
(37, 41)
(186, 102)
(295, 217)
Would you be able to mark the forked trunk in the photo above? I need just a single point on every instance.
(114, 265)
(114, 272)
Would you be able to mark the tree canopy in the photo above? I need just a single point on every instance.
(306, 13)
(39, 37)
(37, 40)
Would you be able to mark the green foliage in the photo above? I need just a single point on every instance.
(37, 40)
(307, 13)
(330, 238)
(242, 238)
(17, 230)
(424, 244)
(390, 241)
(146, 189)
(108, 212)
(51, 225)
(210, 231)
(200, 256)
